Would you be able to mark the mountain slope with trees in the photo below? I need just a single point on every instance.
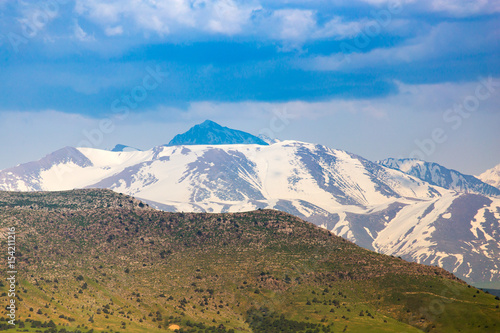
(113, 263)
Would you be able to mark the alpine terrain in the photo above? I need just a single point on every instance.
(410, 209)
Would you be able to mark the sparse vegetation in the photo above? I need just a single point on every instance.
(87, 263)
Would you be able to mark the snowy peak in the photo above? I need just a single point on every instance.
(29, 176)
(120, 148)
(491, 176)
(438, 175)
(211, 133)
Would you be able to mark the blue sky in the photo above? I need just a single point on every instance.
(377, 78)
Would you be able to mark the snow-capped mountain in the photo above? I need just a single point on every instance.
(491, 176)
(377, 207)
(438, 175)
(211, 133)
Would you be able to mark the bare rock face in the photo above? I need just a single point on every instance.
(211, 133)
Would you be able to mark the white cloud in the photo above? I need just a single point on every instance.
(290, 21)
(226, 17)
(114, 31)
(81, 35)
(294, 24)
(165, 17)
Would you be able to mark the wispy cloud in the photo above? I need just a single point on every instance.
(114, 31)
(81, 35)
(338, 28)
(459, 8)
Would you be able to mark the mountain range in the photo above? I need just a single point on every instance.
(416, 210)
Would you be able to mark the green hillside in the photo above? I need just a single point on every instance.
(96, 260)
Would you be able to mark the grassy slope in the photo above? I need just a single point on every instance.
(85, 253)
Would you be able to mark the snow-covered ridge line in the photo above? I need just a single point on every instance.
(438, 175)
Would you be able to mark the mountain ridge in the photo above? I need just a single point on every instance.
(439, 175)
